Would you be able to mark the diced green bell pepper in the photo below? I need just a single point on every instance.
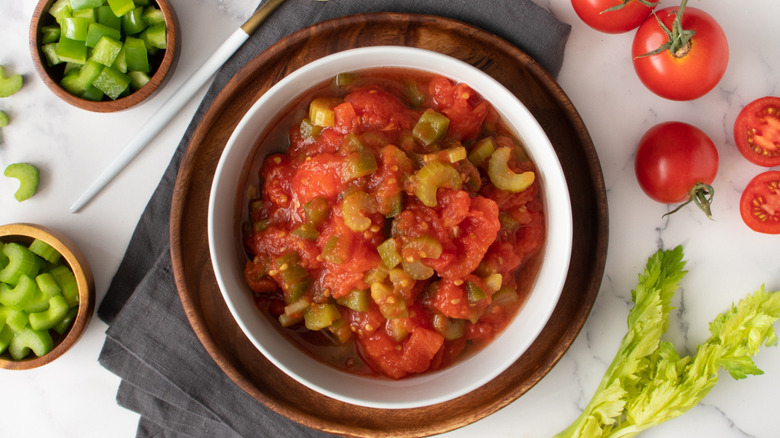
(39, 341)
(155, 36)
(316, 211)
(75, 28)
(88, 14)
(136, 55)
(292, 278)
(77, 5)
(360, 164)
(97, 31)
(52, 316)
(450, 328)
(431, 127)
(308, 129)
(112, 82)
(138, 79)
(142, 2)
(21, 262)
(332, 251)
(120, 64)
(106, 50)
(504, 296)
(153, 15)
(78, 81)
(50, 52)
(475, 292)
(133, 22)
(321, 111)
(60, 10)
(11, 84)
(319, 316)
(93, 94)
(388, 252)
(68, 284)
(121, 7)
(70, 50)
(306, 231)
(431, 177)
(50, 34)
(105, 16)
(357, 299)
(503, 177)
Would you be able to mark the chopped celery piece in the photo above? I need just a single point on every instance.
(106, 50)
(39, 341)
(98, 31)
(112, 82)
(309, 129)
(342, 80)
(422, 247)
(66, 280)
(72, 51)
(353, 207)
(431, 177)
(3, 119)
(66, 322)
(503, 177)
(50, 52)
(321, 112)
(376, 274)
(60, 10)
(106, 17)
(9, 85)
(77, 5)
(133, 21)
(121, 7)
(388, 251)
(450, 328)
(15, 318)
(319, 316)
(482, 151)
(430, 127)
(6, 335)
(75, 28)
(52, 316)
(28, 177)
(19, 296)
(21, 262)
(417, 270)
(358, 300)
(44, 251)
(48, 285)
(155, 36)
(50, 34)
(136, 55)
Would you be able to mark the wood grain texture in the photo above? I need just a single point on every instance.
(51, 75)
(202, 300)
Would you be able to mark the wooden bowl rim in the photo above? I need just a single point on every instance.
(123, 103)
(84, 278)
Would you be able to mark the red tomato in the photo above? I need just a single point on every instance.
(760, 203)
(692, 71)
(672, 159)
(628, 17)
(757, 131)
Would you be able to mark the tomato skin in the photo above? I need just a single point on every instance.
(759, 205)
(757, 131)
(621, 20)
(672, 157)
(688, 77)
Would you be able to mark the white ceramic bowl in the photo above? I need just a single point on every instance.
(228, 259)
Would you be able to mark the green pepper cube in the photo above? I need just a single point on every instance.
(72, 51)
(121, 7)
(97, 31)
(121, 61)
(112, 82)
(430, 127)
(66, 280)
(60, 10)
(133, 22)
(75, 28)
(142, 2)
(9, 85)
(28, 177)
(155, 36)
(50, 317)
(80, 80)
(78, 5)
(106, 17)
(39, 341)
(106, 51)
(136, 55)
(88, 14)
(153, 15)
(138, 79)
(50, 53)
(50, 34)
(93, 94)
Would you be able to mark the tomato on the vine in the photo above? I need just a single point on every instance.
(613, 16)
(757, 131)
(689, 66)
(677, 162)
(760, 203)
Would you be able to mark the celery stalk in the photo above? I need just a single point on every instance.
(648, 382)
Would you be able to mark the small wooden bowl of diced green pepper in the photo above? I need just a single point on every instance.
(103, 55)
(47, 295)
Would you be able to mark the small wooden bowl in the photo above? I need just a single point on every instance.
(26, 233)
(161, 64)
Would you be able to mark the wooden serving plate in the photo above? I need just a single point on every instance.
(200, 295)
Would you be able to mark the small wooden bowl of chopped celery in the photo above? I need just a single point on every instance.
(103, 55)
(47, 295)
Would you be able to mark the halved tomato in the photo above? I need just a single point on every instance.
(757, 131)
(760, 203)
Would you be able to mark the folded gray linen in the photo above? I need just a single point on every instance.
(167, 375)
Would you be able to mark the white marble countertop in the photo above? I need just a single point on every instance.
(74, 396)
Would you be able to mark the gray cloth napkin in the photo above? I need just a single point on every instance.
(167, 375)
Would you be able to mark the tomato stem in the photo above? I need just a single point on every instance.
(700, 194)
(679, 39)
(648, 3)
